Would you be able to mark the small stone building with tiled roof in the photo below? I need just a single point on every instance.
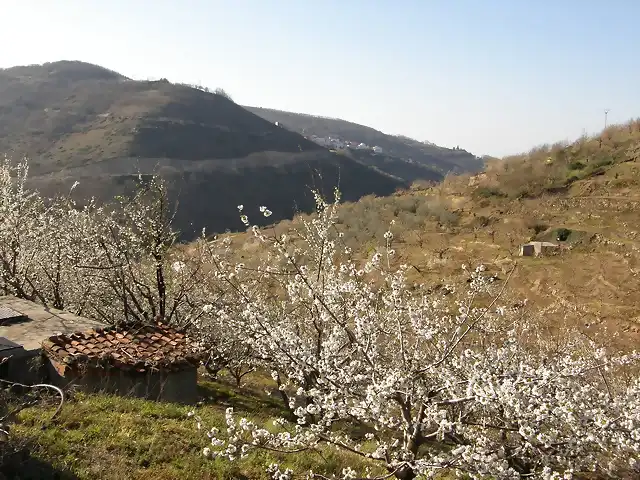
(156, 362)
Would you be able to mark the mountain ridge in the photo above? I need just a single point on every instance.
(77, 121)
(81, 122)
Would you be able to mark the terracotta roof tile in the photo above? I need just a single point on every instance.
(152, 346)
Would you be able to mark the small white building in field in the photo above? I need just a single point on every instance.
(538, 248)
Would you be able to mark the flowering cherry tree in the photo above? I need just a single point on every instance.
(417, 383)
(139, 271)
(40, 241)
(223, 348)
(118, 262)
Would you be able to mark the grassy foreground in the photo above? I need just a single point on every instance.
(109, 437)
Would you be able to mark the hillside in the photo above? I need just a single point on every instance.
(442, 160)
(590, 187)
(77, 121)
(398, 167)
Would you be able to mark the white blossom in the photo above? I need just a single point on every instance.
(444, 384)
(208, 308)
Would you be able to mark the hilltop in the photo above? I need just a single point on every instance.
(81, 122)
(73, 114)
(396, 148)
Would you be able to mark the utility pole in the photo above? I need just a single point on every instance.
(606, 111)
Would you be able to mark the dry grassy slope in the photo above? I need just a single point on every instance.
(597, 277)
(457, 222)
(597, 280)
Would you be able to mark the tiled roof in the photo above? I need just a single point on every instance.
(140, 348)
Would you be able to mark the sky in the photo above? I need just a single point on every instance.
(495, 77)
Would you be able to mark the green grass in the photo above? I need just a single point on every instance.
(110, 437)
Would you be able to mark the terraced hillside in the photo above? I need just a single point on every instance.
(77, 121)
(590, 188)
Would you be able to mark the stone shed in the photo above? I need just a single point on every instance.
(23, 327)
(538, 248)
(155, 362)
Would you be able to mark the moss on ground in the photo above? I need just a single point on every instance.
(110, 437)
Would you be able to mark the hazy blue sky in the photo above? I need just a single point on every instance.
(493, 76)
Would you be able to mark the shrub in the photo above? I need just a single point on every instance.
(571, 179)
(482, 221)
(563, 234)
(222, 93)
(536, 226)
(524, 193)
(487, 192)
(576, 165)
(405, 203)
(603, 162)
(596, 172)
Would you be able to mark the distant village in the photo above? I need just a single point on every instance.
(338, 143)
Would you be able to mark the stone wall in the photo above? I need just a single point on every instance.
(169, 386)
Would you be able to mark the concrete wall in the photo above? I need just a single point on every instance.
(179, 387)
(527, 250)
(549, 250)
(537, 248)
